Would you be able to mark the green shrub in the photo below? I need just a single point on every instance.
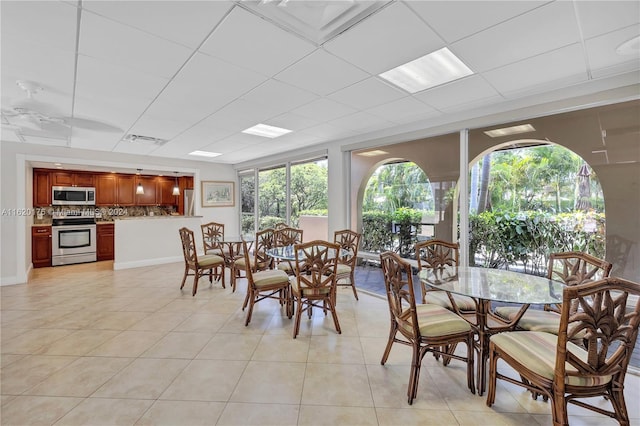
(505, 238)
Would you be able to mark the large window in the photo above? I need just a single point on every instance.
(526, 203)
(272, 197)
(284, 194)
(247, 202)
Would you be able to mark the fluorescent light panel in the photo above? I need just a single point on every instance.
(513, 130)
(431, 70)
(373, 153)
(205, 153)
(266, 131)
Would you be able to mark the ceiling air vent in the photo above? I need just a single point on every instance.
(146, 140)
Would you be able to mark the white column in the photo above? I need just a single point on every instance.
(463, 194)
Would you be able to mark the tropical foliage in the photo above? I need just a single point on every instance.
(535, 205)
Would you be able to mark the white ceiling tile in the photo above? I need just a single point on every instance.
(458, 93)
(321, 73)
(246, 40)
(291, 121)
(600, 17)
(99, 79)
(280, 97)
(208, 84)
(159, 128)
(99, 141)
(48, 67)
(543, 29)
(327, 132)
(111, 41)
(367, 94)
(602, 54)
(454, 20)
(8, 134)
(190, 140)
(360, 121)
(127, 147)
(568, 65)
(185, 22)
(48, 23)
(403, 110)
(111, 111)
(324, 110)
(239, 115)
(130, 51)
(391, 37)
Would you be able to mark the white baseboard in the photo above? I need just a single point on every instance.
(146, 262)
(9, 281)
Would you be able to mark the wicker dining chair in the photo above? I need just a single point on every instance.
(195, 265)
(260, 261)
(314, 281)
(572, 268)
(426, 327)
(438, 254)
(265, 284)
(287, 236)
(212, 237)
(350, 241)
(563, 372)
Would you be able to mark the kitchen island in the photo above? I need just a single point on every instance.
(151, 240)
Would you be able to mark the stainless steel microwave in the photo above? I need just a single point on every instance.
(73, 196)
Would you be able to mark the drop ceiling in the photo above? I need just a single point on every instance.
(195, 74)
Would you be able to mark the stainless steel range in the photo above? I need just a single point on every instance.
(74, 236)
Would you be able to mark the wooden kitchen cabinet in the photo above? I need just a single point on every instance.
(41, 188)
(187, 181)
(149, 186)
(41, 246)
(164, 195)
(72, 179)
(105, 249)
(106, 190)
(126, 190)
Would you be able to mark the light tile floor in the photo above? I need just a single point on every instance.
(86, 345)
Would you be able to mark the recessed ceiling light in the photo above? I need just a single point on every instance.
(57, 164)
(513, 130)
(373, 153)
(266, 131)
(434, 69)
(205, 153)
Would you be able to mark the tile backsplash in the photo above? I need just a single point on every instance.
(44, 215)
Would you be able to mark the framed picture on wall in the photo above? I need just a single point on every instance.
(218, 194)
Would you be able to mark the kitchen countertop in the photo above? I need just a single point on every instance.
(155, 217)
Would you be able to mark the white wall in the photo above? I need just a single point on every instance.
(16, 194)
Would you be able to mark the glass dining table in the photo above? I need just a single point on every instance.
(491, 285)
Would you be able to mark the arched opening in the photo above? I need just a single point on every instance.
(398, 207)
(529, 198)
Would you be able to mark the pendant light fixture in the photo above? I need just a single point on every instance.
(176, 188)
(139, 189)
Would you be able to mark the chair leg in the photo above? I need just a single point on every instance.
(392, 335)
(414, 375)
(246, 297)
(251, 303)
(196, 276)
(184, 278)
(353, 285)
(493, 364)
(296, 325)
(221, 268)
(619, 404)
(470, 365)
(332, 308)
(559, 410)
